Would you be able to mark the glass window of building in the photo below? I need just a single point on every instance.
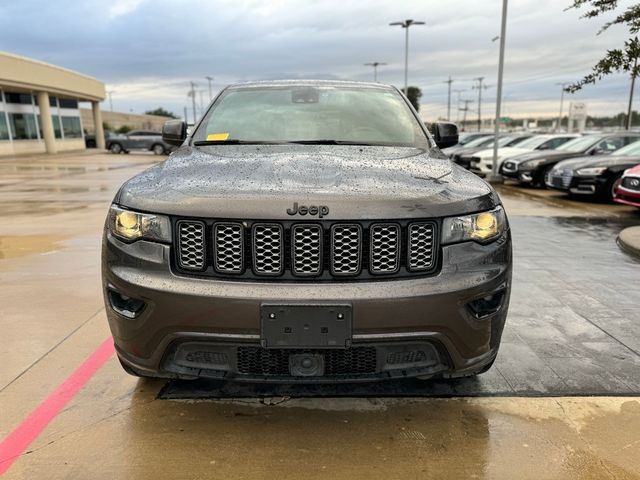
(57, 130)
(53, 101)
(4, 128)
(68, 103)
(13, 97)
(23, 126)
(71, 127)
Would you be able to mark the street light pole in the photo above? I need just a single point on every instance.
(633, 84)
(450, 81)
(209, 79)
(503, 34)
(458, 91)
(562, 85)
(192, 94)
(110, 100)
(479, 87)
(406, 24)
(375, 66)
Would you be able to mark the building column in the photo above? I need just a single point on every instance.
(46, 123)
(97, 125)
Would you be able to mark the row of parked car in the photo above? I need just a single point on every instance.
(604, 166)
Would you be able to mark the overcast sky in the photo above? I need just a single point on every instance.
(147, 51)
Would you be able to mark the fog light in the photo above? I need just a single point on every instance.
(488, 305)
(124, 305)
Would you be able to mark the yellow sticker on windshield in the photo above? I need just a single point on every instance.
(217, 137)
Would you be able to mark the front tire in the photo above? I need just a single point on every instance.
(158, 149)
(611, 188)
(115, 148)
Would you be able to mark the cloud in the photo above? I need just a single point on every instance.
(149, 51)
(123, 7)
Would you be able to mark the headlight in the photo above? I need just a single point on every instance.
(592, 171)
(531, 163)
(130, 226)
(480, 227)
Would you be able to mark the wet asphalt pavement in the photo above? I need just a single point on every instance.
(563, 392)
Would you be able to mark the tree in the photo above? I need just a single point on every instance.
(414, 94)
(161, 112)
(619, 59)
(124, 129)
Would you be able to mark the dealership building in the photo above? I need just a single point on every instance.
(39, 107)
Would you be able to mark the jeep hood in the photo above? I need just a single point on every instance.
(262, 182)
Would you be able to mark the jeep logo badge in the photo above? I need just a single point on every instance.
(320, 210)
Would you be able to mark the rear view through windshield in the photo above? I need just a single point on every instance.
(325, 114)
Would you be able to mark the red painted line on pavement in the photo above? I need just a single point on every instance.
(15, 444)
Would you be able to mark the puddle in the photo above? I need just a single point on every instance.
(12, 246)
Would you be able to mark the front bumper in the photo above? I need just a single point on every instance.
(575, 184)
(627, 196)
(430, 315)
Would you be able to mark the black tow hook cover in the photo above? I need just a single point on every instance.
(306, 365)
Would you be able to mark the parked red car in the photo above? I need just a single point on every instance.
(628, 192)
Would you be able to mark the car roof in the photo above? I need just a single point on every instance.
(311, 83)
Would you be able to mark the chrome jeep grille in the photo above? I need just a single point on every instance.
(306, 249)
(346, 251)
(228, 245)
(420, 246)
(191, 253)
(321, 250)
(268, 249)
(385, 248)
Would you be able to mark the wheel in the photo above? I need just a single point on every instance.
(115, 148)
(613, 185)
(158, 149)
(539, 182)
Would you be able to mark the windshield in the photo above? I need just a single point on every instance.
(467, 138)
(578, 145)
(480, 142)
(312, 114)
(631, 150)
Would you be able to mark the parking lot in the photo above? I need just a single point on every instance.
(564, 388)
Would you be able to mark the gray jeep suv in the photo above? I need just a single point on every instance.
(307, 231)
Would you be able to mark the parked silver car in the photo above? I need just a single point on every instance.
(138, 140)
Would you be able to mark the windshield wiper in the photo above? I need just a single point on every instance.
(328, 142)
(235, 141)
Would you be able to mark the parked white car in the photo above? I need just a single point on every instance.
(482, 161)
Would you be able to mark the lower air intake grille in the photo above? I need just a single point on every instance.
(191, 247)
(263, 361)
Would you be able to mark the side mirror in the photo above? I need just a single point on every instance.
(174, 132)
(445, 134)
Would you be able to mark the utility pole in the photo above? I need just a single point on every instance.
(449, 82)
(209, 79)
(192, 94)
(375, 66)
(185, 115)
(633, 84)
(480, 87)
(465, 110)
(406, 24)
(201, 103)
(458, 91)
(494, 177)
(562, 85)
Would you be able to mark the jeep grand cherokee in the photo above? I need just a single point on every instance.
(307, 231)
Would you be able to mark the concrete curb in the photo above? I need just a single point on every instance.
(629, 241)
